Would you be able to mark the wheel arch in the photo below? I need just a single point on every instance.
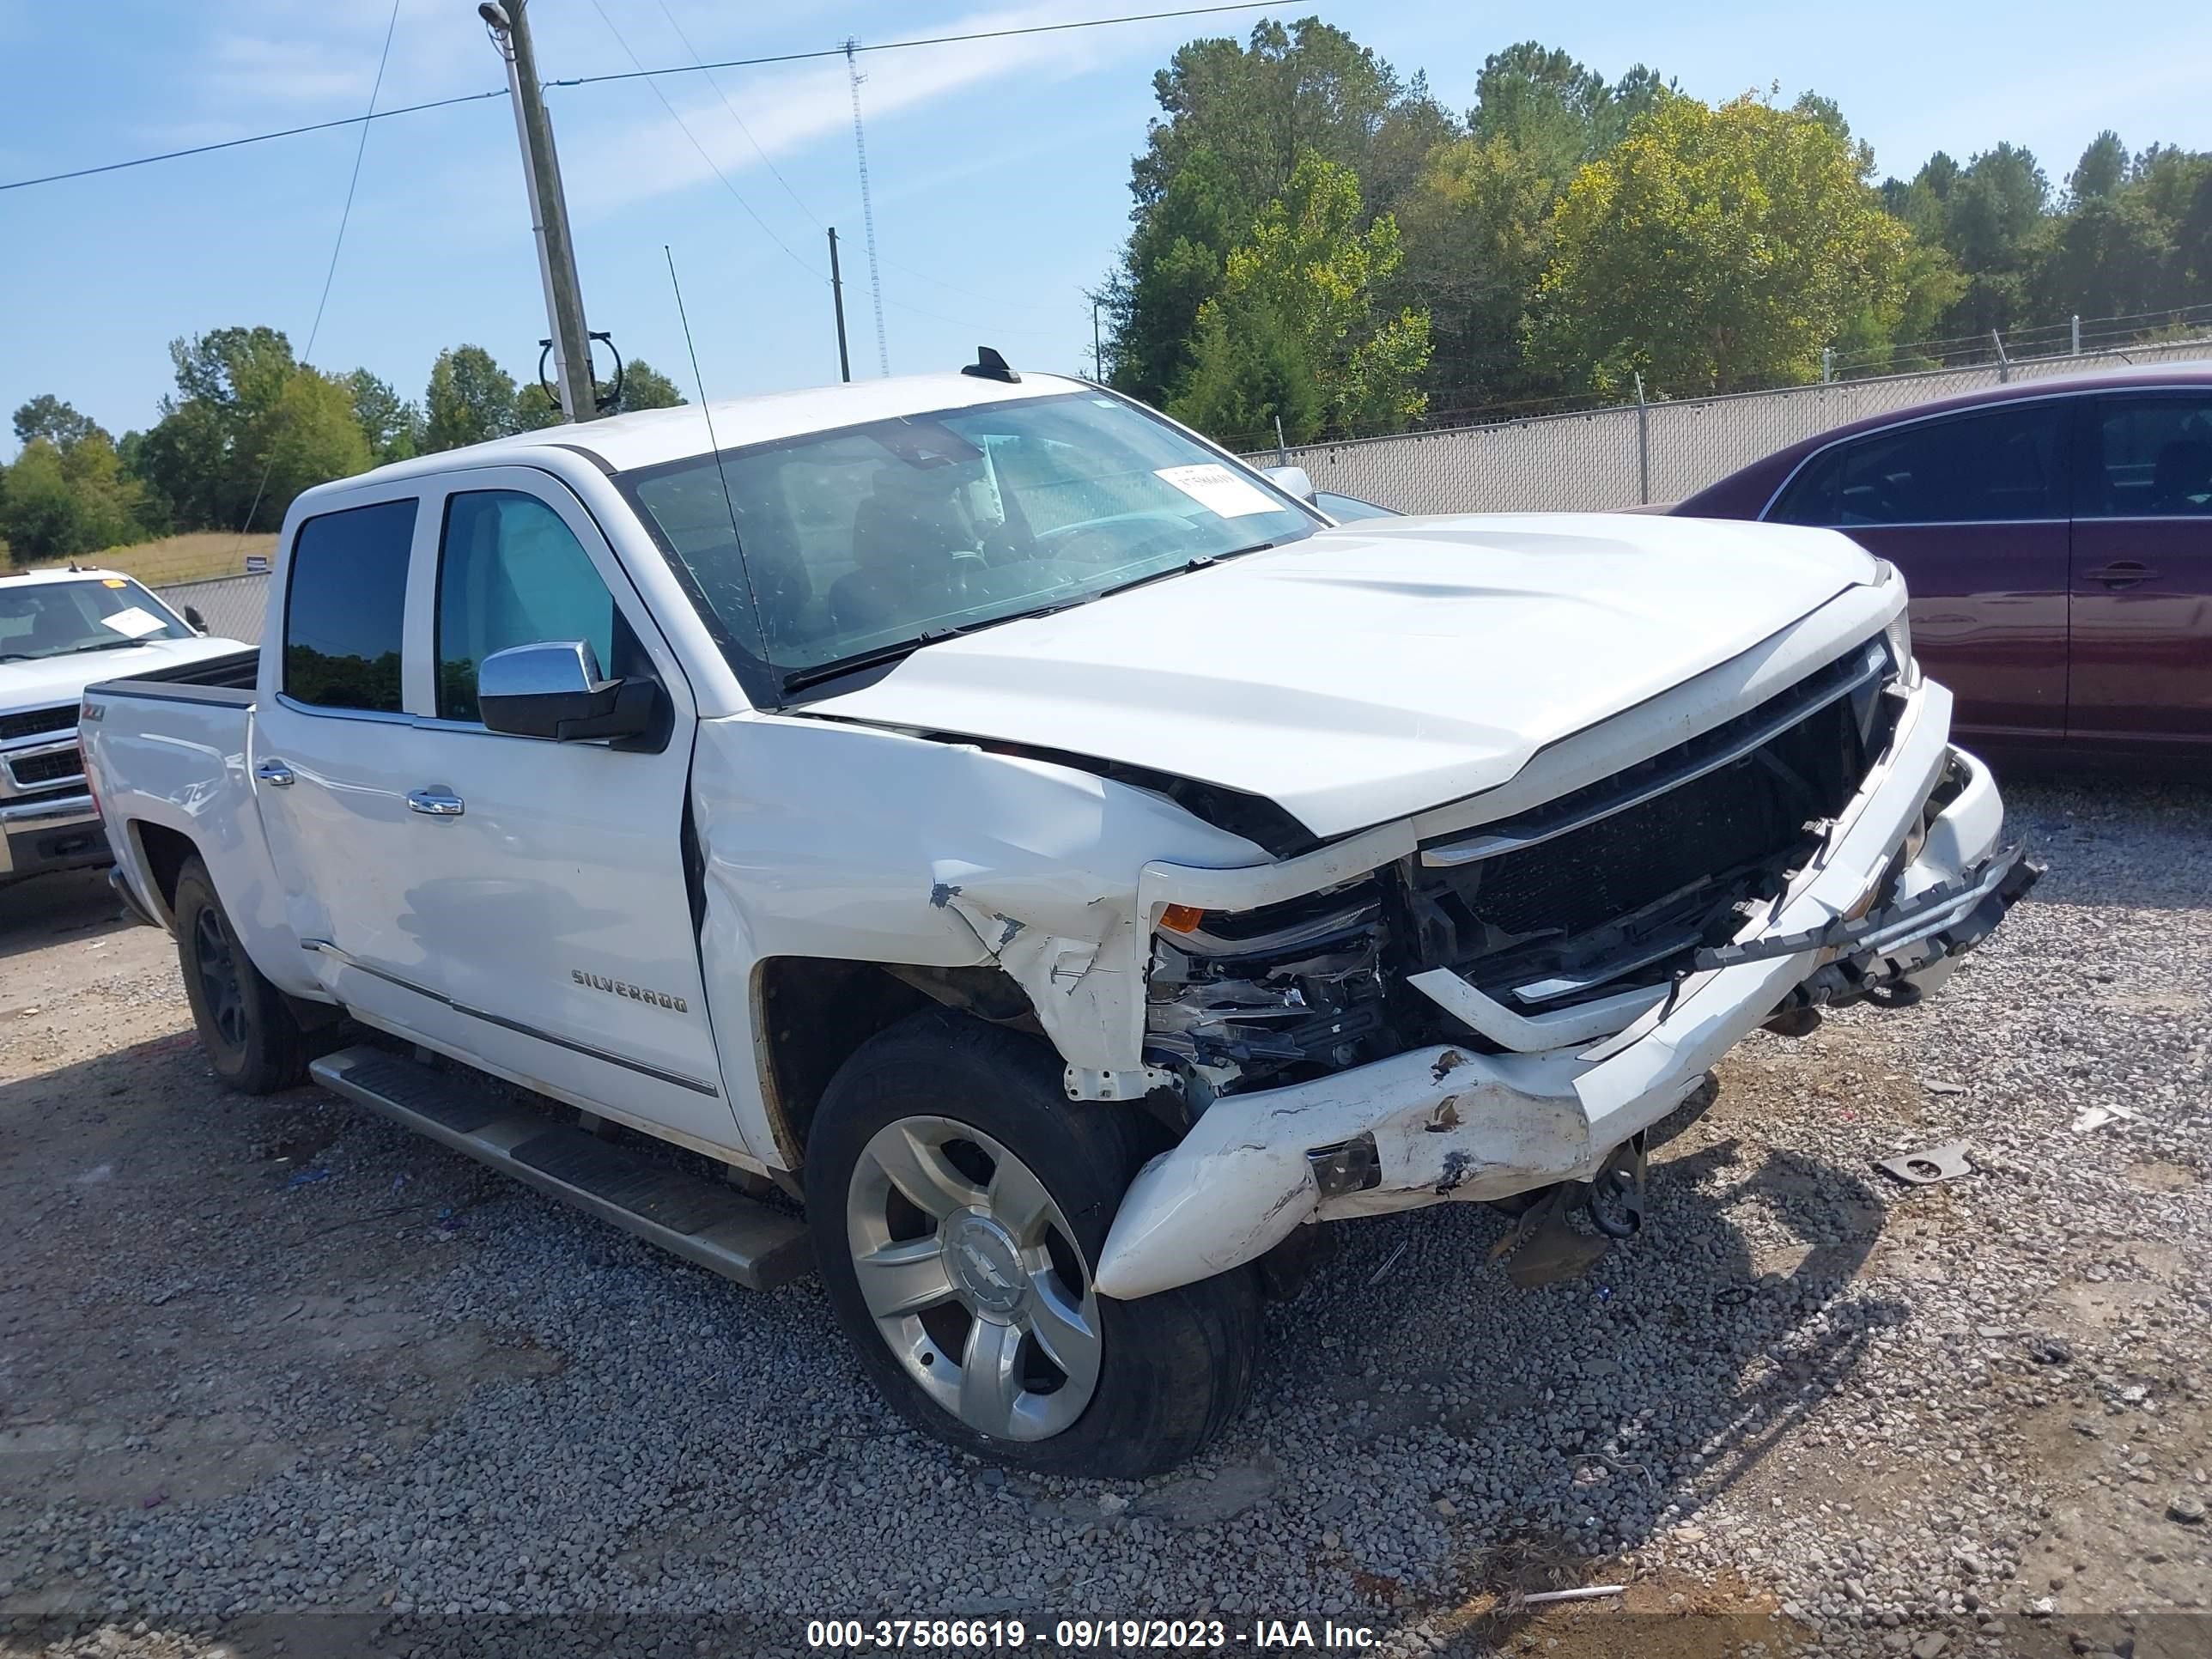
(811, 1014)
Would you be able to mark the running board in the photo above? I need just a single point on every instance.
(687, 1215)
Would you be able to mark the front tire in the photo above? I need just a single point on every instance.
(251, 1039)
(959, 1202)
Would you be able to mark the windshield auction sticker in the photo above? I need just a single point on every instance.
(135, 623)
(1218, 489)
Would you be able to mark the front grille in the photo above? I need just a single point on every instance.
(29, 722)
(1558, 903)
(36, 769)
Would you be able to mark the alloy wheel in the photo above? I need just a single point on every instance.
(972, 1277)
(214, 954)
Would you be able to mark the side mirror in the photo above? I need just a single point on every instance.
(1295, 479)
(198, 622)
(552, 689)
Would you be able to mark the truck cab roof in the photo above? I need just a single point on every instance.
(647, 437)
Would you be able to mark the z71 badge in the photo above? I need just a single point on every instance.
(634, 992)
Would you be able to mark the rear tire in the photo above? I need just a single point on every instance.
(994, 1338)
(251, 1039)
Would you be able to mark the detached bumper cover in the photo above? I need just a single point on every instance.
(1451, 1123)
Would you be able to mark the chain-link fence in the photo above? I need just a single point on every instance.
(1603, 459)
(231, 607)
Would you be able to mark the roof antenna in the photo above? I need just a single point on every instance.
(759, 617)
(990, 366)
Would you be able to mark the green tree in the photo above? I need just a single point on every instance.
(309, 436)
(1557, 112)
(389, 424)
(469, 399)
(1238, 118)
(644, 386)
(1476, 235)
(47, 417)
(206, 458)
(40, 518)
(1245, 377)
(1309, 271)
(1994, 226)
(2101, 171)
(1713, 250)
(62, 502)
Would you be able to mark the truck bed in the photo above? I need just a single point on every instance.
(228, 678)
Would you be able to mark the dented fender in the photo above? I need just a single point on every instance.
(826, 839)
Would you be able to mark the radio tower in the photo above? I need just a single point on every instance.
(867, 207)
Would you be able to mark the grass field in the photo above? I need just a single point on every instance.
(177, 558)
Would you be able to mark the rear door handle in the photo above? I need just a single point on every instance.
(274, 773)
(2123, 573)
(436, 802)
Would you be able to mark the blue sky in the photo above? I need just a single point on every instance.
(1000, 169)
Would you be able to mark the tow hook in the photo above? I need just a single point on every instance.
(1615, 1198)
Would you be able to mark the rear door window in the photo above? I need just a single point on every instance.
(2150, 458)
(345, 608)
(1997, 466)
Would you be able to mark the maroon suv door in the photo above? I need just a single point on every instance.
(2142, 571)
(1972, 508)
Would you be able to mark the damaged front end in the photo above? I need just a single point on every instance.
(1567, 920)
(1501, 1008)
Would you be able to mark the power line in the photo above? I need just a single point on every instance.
(732, 109)
(329, 275)
(703, 154)
(902, 45)
(353, 183)
(254, 138)
(632, 74)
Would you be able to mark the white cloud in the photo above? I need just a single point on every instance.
(790, 107)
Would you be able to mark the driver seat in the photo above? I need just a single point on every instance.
(907, 532)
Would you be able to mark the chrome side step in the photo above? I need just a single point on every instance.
(699, 1219)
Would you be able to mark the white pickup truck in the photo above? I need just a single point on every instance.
(1055, 854)
(59, 631)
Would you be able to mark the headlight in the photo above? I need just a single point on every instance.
(1897, 636)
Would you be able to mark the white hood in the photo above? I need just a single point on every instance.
(42, 682)
(1377, 669)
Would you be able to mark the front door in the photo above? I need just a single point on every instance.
(547, 883)
(1972, 509)
(2142, 572)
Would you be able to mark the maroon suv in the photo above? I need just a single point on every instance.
(2057, 536)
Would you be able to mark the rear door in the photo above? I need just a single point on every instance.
(547, 890)
(1972, 508)
(330, 763)
(2142, 571)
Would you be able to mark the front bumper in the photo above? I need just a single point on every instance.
(49, 835)
(1450, 1123)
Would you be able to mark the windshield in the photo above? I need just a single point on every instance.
(58, 619)
(860, 543)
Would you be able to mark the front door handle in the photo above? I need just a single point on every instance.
(2123, 573)
(274, 773)
(436, 802)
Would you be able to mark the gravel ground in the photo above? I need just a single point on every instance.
(266, 1359)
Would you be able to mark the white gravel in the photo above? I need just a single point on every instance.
(1841, 1412)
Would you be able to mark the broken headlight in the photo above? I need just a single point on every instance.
(1896, 637)
(1249, 994)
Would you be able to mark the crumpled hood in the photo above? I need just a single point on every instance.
(1378, 669)
(43, 682)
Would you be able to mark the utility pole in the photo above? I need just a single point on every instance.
(509, 25)
(838, 297)
(1097, 351)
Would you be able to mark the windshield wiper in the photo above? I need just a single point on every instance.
(838, 667)
(102, 645)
